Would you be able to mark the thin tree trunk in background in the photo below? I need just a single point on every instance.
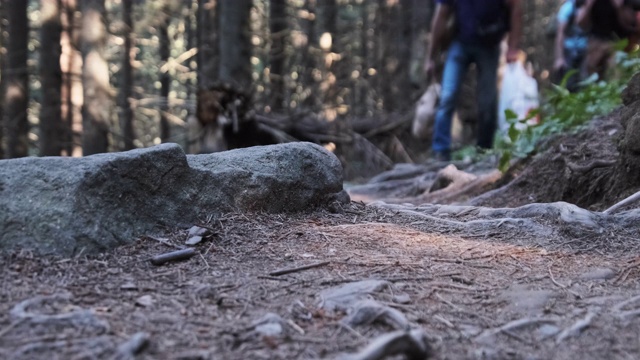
(3, 42)
(364, 106)
(327, 18)
(235, 44)
(207, 39)
(309, 60)
(71, 92)
(403, 45)
(388, 58)
(16, 92)
(126, 79)
(327, 13)
(95, 78)
(189, 44)
(277, 55)
(420, 26)
(51, 128)
(165, 79)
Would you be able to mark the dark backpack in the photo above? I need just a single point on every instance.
(493, 23)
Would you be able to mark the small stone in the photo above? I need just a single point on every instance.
(269, 325)
(402, 298)
(598, 274)
(546, 331)
(469, 331)
(269, 329)
(197, 230)
(144, 301)
(129, 286)
(194, 240)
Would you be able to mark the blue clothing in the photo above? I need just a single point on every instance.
(459, 57)
(480, 21)
(575, 38)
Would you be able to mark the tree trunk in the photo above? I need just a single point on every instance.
(16, 92)
(309, 60)
(189, 44)
(235, 44)
(388, 58)
(126, 79)
(364, 105)
(327, 18)
(51, 129)
(403, 43)
(207, 39)
(327, 13)
(95, 79)
(420, 26)
(278, 55)
(71, 92)
(165, 79)
(3, 42)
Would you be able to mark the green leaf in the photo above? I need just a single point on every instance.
(562, 91)
(510, 115)
(513, 133)
(566, 77)
(505, 161)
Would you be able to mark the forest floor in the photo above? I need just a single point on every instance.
(506, 293)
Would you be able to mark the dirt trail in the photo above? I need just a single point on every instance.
(503, 294)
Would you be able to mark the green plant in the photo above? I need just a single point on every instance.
(563, 111)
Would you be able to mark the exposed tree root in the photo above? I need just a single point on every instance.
(450, 176)
(576, 328)
(628, 201)
(97, 346)
(412, 344)
(541, 220)
(79, 318)
(590, 166)
(450, 185)
(129, 349)
(513, 325)
(462, 189)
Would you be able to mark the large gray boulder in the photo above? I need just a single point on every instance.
(62, 205)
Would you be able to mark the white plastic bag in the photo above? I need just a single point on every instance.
(426, 112)
(519, 93)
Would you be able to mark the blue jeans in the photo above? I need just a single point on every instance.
(459, 57)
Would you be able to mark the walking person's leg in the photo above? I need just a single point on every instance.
(454, 70)
(487, 60)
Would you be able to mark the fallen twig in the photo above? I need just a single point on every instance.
(631, 199)
(54, 347)
(265, 277)
(576, 328)
(163, 241)
(590, 166)
(352, 331)
(173, 256)
(626, 271)
(4, 331)
(513, 325)
(563, 287)
(130, 348)
(625, 315)
(620, 305)
(82, 317)
(298, 269)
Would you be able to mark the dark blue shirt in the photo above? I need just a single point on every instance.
(480, 21)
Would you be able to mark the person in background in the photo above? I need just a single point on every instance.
(481, 26)
(570, 45)
(606, 22)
